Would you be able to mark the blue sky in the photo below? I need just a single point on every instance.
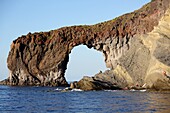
(18, 17)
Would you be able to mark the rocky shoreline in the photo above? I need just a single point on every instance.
(108, 81)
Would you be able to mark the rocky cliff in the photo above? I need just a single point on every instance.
(136, 47)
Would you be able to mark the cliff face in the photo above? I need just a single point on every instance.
(135, 46)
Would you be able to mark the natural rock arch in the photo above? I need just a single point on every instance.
(41, 58)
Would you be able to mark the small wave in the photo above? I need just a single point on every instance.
(132, 90)
(58, 89)
(144, 90)
(110, 90)
(76, 90)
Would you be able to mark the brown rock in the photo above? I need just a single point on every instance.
(73, 85)
(98, 83)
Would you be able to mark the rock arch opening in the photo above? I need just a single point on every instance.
(84, 62)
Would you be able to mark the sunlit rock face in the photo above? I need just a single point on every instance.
(135, 46)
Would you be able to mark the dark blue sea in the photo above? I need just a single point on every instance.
(51, 99)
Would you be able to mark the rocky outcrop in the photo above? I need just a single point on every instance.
(100, 81)
(135, 46)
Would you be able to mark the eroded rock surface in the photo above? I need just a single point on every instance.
(136, 47)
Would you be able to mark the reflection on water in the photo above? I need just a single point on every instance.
(48, 99)
(159, 101)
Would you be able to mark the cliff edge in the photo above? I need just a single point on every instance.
(136, 47)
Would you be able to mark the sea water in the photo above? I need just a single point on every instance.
(52, 99)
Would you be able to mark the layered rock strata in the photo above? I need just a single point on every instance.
(135, 46)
